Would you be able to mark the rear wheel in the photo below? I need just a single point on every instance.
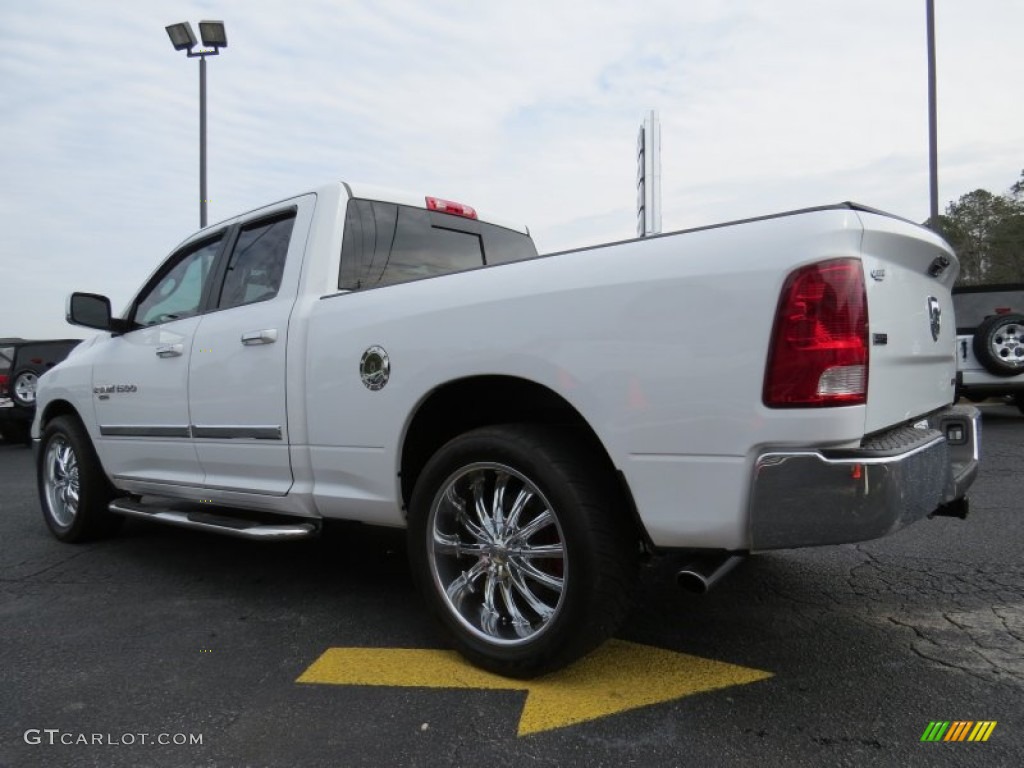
(517, 545)
(73, 490)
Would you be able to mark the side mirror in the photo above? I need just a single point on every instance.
(92, 311)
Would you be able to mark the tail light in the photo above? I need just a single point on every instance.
(3, 385)
(819, 346)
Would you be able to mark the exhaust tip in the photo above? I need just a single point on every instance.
(692, 582)
(700, 575)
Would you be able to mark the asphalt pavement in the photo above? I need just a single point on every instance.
(166, 647)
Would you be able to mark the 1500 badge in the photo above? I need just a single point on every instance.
(111, 389)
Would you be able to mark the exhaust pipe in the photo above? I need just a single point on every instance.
(704, 572)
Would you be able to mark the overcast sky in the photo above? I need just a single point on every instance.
(527, 110)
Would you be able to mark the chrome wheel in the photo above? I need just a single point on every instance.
(25, 387)
(60, 481)
(497, 553)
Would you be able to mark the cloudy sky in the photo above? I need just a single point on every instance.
(527, 110)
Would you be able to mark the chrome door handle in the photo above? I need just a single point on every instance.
(169, 350)
(266, 336)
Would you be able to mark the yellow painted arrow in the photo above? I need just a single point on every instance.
(616, 677)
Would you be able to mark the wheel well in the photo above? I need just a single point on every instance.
(58, 408)
(466, 404)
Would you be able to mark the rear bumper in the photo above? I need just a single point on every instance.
(972, 383)
(808, 498)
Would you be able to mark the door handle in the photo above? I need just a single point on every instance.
(266, 336)
(169, 350)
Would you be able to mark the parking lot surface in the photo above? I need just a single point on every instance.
(166, 647)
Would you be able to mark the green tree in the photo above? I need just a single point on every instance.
(987, 233)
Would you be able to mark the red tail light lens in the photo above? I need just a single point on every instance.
(447, 206)
(3, 384)
(819, 348)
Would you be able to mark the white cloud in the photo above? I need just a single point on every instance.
(526, 110)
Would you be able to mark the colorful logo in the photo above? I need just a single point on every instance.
(958, 730)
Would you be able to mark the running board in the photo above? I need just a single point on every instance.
(258, 526)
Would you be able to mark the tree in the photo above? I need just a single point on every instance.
(987, 233)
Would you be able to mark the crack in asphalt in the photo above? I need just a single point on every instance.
(61, 561)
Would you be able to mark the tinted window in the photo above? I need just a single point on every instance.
(6, 358)
(503, 245)
(43, 355)
(386, 244)
(178, 291)
(972, 307)
(257, 262)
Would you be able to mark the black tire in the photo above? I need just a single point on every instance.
(999, 344)
(73, 490)
(23, 387)
(1018, 400)
(548, 609)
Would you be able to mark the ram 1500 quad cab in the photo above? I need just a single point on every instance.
(537, 423)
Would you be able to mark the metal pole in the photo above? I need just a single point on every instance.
(202, 141)
(933, 143)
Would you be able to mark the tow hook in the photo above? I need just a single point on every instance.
(956, 508)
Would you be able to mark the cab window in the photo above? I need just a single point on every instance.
(257, 262)
(177, 292)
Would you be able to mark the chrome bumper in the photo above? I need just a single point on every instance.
(808, 498)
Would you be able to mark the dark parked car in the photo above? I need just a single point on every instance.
(990, 341)
(22, 362)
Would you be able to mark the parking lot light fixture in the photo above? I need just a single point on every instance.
(184, 39)
(213, 34)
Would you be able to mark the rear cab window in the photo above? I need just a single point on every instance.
(386, 244)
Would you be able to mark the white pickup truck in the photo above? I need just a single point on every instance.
(538, 423)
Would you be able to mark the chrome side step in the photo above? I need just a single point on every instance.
(231, 522)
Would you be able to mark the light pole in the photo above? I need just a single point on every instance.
(933, 142)
(214, 38)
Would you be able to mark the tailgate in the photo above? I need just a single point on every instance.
(912, 333)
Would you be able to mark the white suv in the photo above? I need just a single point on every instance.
(990, 341)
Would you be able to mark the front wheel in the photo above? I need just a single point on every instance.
(73, 490)
(521, 548)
